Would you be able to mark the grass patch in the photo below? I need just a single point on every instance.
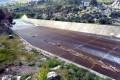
(6, 57)
(24, 76)
(42, 74)
(50, 63)
(13, 51)
(72, 72)
(7, 52)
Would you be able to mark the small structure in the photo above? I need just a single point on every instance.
(1, 46)
(52, 76)
(11, 37)
(85, 3)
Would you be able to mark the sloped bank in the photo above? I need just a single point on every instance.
(81, 27)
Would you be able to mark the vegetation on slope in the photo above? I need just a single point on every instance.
(66, 10)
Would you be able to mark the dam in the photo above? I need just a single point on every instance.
(88, 45)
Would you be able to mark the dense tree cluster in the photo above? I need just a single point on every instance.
(94, 2)
(115, 14)
(67, 10)
(2, 16)
(6, 20)
(5, 16)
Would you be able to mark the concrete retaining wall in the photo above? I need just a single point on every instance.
(81, 27)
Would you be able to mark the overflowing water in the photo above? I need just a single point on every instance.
(103, 55)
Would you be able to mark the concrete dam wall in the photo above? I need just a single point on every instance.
(81, 27)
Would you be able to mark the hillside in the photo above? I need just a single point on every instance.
(14, 1)
(24, 1)
(68, 10)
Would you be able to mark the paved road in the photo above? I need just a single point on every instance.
(96, 52)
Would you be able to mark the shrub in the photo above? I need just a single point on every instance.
(18, 15)
(50, 63)
(42, 74)
(53, 63)
(75, 71)
(31, 15)
(115, 14)
(31, 64)
(87, 18)
(105, 21)
(94, 2)
(24, 76)
(74, 19)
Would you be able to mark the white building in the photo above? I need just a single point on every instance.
(85, 3)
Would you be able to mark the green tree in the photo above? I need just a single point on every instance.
(115, 14)
(105, 21)
(93, 2)
(87, 18)
(2, 15)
